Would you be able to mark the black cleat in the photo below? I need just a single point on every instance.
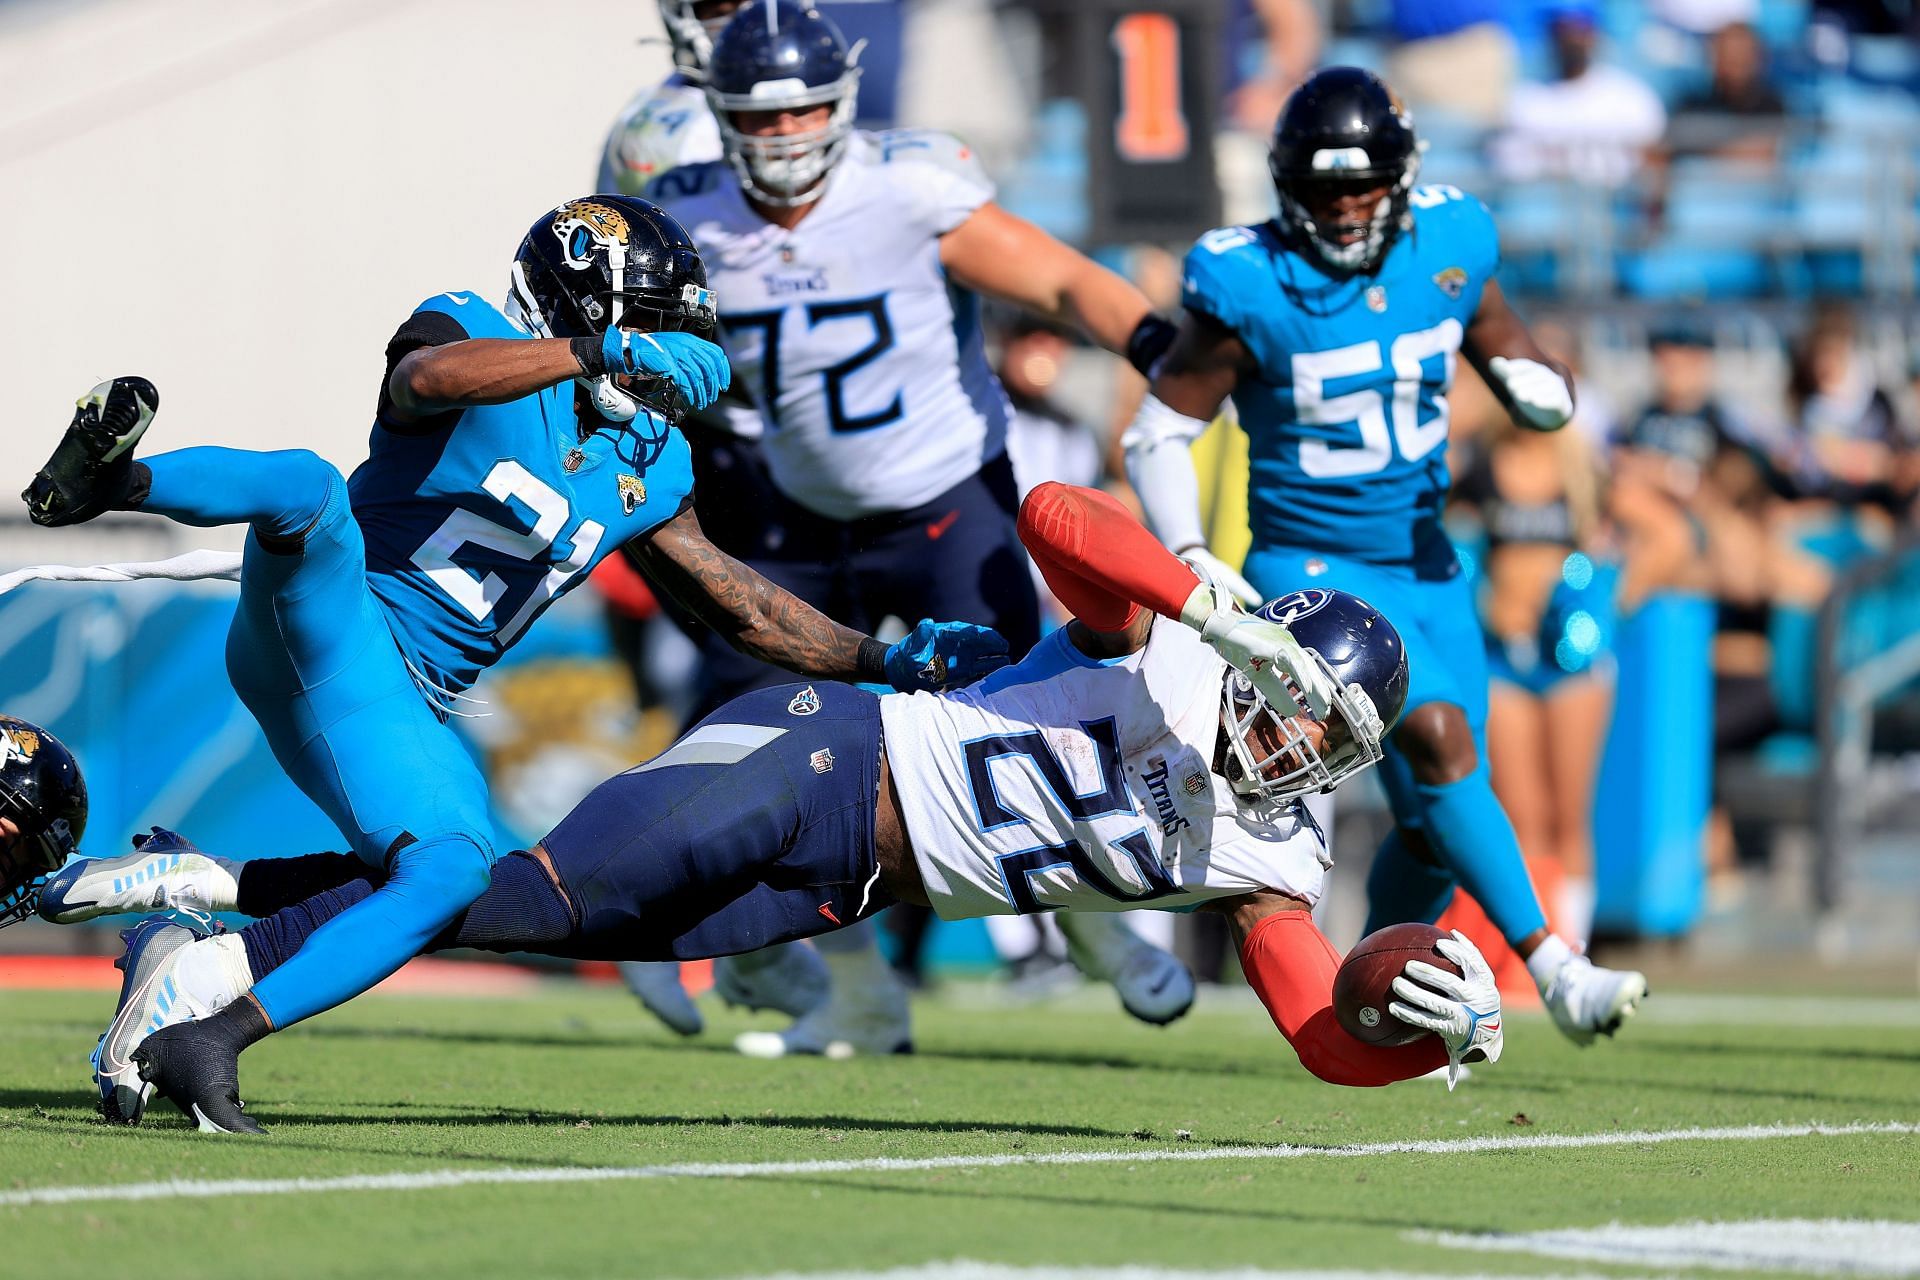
(92, 470)
(199, 1073)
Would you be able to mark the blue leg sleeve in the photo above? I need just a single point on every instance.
(1401, 888)
(431, 883)
(1470, 831)
(280, 494)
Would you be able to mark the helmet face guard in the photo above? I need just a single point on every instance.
(778, 56)
(1295, 767)
(1301, 193)
(691, 37)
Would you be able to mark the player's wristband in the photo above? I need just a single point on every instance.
(590, 353)
(870, 661)
(1149, 341)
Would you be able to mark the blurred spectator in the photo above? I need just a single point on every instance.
(1455, 56)
(1739, 115)
(1850, 445)
(1592, 123)
(1290, 38)
(1686, 432)
(1703, 17)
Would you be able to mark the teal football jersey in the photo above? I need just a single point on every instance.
(475, 525)
(1346, 415)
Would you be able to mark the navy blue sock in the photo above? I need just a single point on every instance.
(268, 884)
(271, 942)
(520, 911)
(1401, 888)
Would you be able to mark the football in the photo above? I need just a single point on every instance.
(1364, 986)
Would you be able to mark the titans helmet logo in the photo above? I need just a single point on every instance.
(1289, 609)
(586, 225)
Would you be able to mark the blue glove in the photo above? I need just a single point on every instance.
(944, 655)
(698, 367)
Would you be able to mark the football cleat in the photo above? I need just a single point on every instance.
(1154, 986)
(791, 978)
(165, 873)
(869, 1018)
(657, 985)
(92, 469)
(1587, 1001)
(198, 1073)
(174, 974)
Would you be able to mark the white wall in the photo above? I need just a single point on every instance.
(241, 199)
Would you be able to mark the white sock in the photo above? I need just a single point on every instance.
(1546, 960)
(1576, 906)
(213, 972)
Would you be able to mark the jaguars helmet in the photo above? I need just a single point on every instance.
(1365, 665)
(611, 260)
(1341, 132)
(779, 55)
(43, 794)
(691, 35)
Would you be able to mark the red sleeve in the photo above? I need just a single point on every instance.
(1099, 561)
(1290, 965)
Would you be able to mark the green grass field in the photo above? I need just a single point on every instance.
(575, 1079)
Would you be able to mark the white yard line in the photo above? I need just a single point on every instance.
(963, 1269)
(176, 1189)
(1827, 1246)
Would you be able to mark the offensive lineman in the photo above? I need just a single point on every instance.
(847, 264)
(1335, 328)
(1126, 761)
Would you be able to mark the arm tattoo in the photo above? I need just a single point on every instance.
(758, 617)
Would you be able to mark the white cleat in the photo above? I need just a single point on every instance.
(657, 985)
(871, 1020)
(165, 873)
(1588, 1001)
(1154, 986)
(174, 974)
(790, 978)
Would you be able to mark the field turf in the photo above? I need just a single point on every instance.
(574, 1079)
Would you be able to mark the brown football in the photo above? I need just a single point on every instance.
(1363, 988)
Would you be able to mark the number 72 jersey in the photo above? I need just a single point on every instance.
(1346, 411)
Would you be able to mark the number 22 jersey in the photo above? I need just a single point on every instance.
(1069, 781)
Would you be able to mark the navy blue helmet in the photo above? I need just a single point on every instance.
(44, 796)
(777, 55)
(1343, 132)
(1364, 664)
(611, 260)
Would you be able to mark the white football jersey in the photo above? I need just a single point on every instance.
(1065, 781)
(868, 365)
(663, 128)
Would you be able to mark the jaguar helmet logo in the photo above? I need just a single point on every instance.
(17, 742)
(586, 225)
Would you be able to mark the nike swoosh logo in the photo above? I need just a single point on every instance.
(1160, 986)
(826, 909)
(458, 299)
(938, 528)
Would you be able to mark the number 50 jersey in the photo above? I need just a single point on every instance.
(1066, 781)
(1346, 413)
(867, 364)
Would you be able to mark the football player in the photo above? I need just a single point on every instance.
(1335, 327)
(1152, 753)
(668, 124)
(511, 450)
(849, 265)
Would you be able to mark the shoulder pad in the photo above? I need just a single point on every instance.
(1216, 267)
(929, 147)
(1462, 218)
(688, 181)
